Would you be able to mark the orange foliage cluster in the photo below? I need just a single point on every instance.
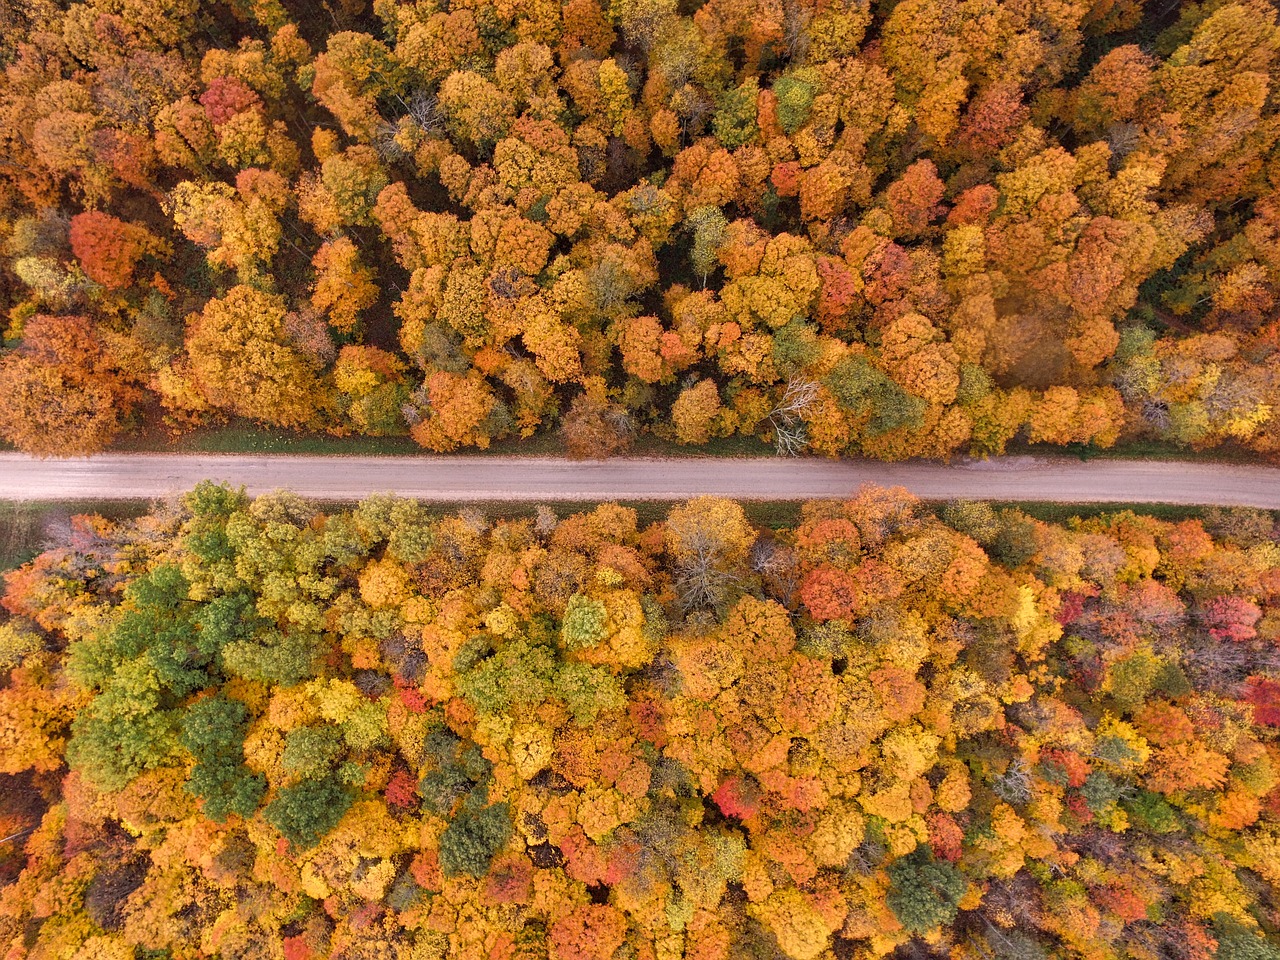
(251, 729)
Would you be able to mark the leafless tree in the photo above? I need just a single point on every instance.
(418, 407)
(1014, 785)
(795, 30)
(776, 565)
(421, 110)
(789, 432)
(505, 283)
(702, 582)
(474, 518)
(546, 520)
(1221, 666)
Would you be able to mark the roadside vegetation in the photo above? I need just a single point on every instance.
(26, 527)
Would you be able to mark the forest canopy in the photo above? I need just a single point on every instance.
(912, 228)
(252, 729)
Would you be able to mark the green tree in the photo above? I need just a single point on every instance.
(213, 731)
(272, 655)
(405, 525)
(735, 119)
(519, 675)
(709, 227)
(795, 93)
(226, 619)
(588, 690)
(584, 623)
(311, 752)
(1238, 942)
(306, 811)
(864, 390)
(140, 667)
(471, 840)
(925, 892)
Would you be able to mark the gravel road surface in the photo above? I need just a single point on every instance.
(462, 478)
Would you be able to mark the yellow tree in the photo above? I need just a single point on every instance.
(476, 111)
(245, 363)
(371, 389)
(344, 285)
(695, 413)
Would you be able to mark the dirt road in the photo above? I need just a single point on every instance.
(462, 478)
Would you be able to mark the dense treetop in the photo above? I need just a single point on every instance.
(907, 228)
(250, 729)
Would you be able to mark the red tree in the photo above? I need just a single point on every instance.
(1264, 694)
(226, 97)
(1231, 618)
(108, 249)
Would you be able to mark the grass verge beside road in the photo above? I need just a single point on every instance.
(245, 437)
(1053, 512)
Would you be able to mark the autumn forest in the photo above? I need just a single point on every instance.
(887, 730)
(898, 229)
(268, 728)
